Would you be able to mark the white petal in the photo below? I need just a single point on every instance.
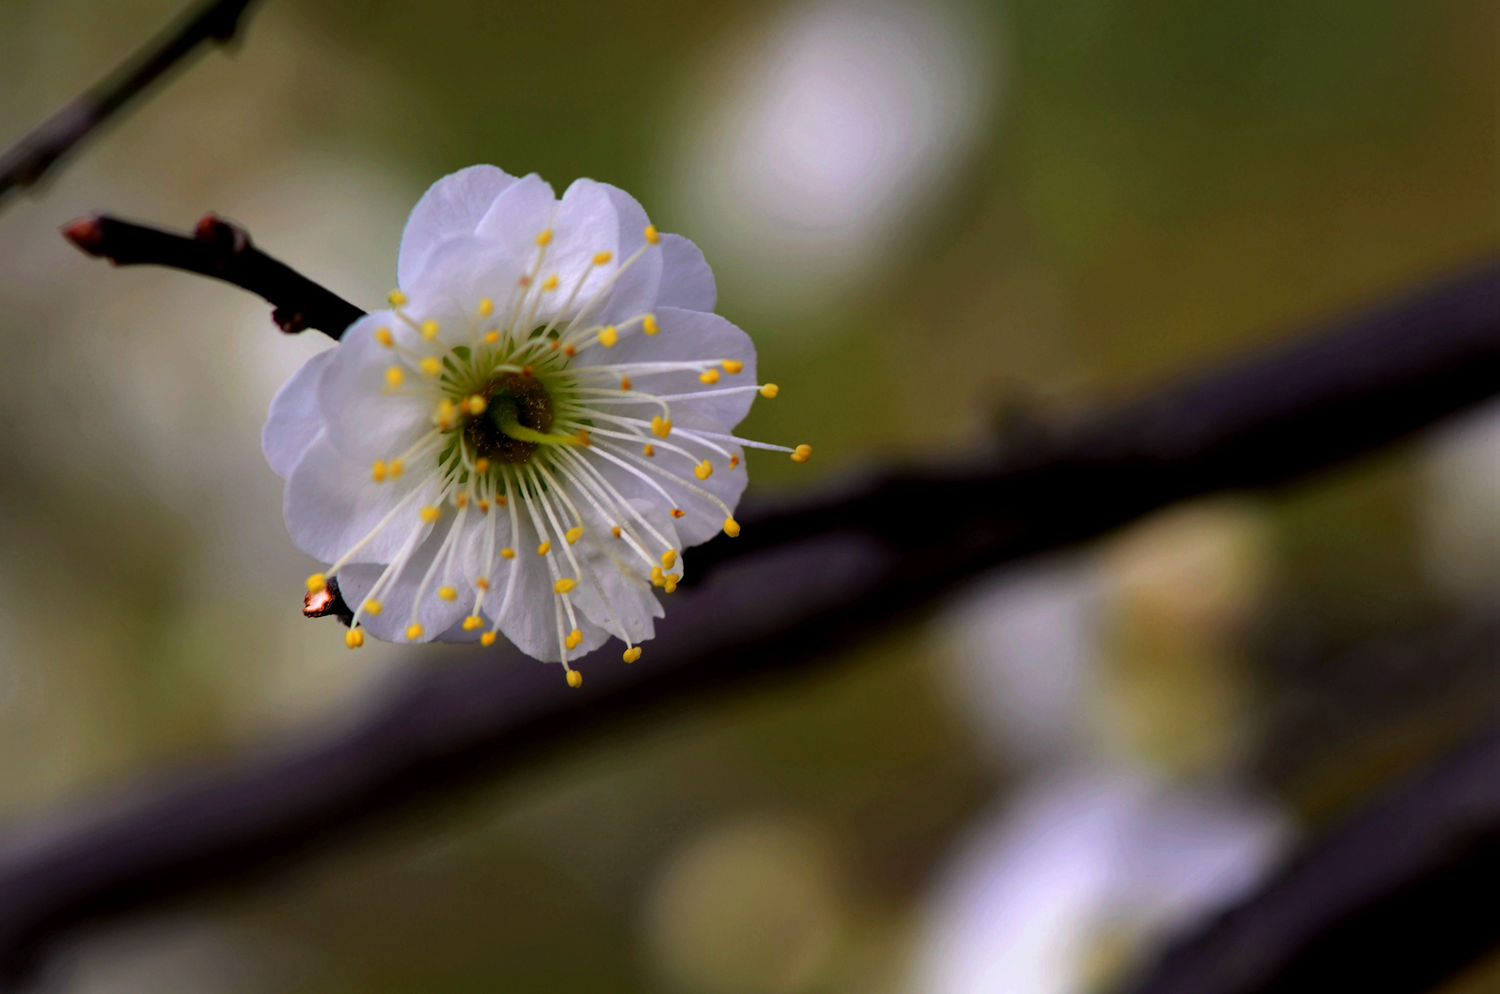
(452, 206)
(518, 215)
(295, 418)
(364, 418)
(686, 280)
(585, 224)
(460, 272)
(635, 290)
(331, 504)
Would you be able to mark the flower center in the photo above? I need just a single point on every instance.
(517, 413)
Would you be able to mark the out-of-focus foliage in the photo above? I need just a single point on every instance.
(1023, 202)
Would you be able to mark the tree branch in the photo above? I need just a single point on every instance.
(223, 251)
(808, 576)
(30, 159)
(1396, 900)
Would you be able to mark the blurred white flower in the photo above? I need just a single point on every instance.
(532, 432)
(831, 128)
(1075, 879)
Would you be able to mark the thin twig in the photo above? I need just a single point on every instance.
(223, 251)
(809, 576)
(35, 154)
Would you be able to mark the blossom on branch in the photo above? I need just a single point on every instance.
(525, 441)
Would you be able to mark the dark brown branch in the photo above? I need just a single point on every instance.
(1396, 900)
(809, 576)
(223, 251)
(30, 159)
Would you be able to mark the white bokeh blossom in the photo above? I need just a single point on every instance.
(525, 441)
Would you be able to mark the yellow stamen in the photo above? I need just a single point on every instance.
(482, 583)
(544, 548)
(476, 404)
(615, 531)
(708, 376)
(732, 366)
(482, 464)
(431, 366)
(460, 499)
(703, 470)
(395, 375)
(354, 638)
(491, 337)
(413, 632)
(678, 512)
(669, 558)
(573, 639)
(487, 639)
(802, 454)
(316, 582)
(472, 622)
(734, 461)
(396, 467)
(430, 513)
(648, 449)
(600, 258)
(507, 553)
(632, 654)
(624, 383)
(565, 585)
(658, 578)
(544, 237)
(574, 534)
(609, 336)
(550, 283)
(731, 528)
(429, 330)
(671, 584)
(448, 593)
(651, 234)
(378, 470)
(769, 390)
(486, 307)
(384, 337)
(372, 606)
(649, 325)
(575, 679)
(661, 427)
(395, 298)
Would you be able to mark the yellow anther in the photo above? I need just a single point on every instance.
(632, 654)
(484, 506)
(609, 336)
(678, 512)
(574, 534)
(671, 584)
(565, 585)
(477, 404)
(615, 531)
(544, 548)
(649, 325)
(507, 553)
(583, 437)
(661, 427)
(460, 499)
(445, 414)
(651, 236)
(550, 283)
(708, 376)
(570, 350)
(472, 622)
(769, 390)
(703, 470)
(669, 558)
(413, 632)
(354, 638)
(431, 366)
(601, 258)
(482, 464)
(395, 375)
(384, 337)
(734, 460)
(648, 450)
(487, 639)
(482, 583)
(574, 638)
(545, 237)
(395, 298)
(658, 578)
(372, 606)
(802, 453)
(448, 593)
(396, 467)
(491, 337)
(316, 582)
(430, 513)
(732, 366)
(575, 679)
(429, 330)
(624, 383)
(486, 307)
(731, 528)
(378, 470)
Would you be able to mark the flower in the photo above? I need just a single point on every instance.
(525, 441)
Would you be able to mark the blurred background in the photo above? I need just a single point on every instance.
(980, 204)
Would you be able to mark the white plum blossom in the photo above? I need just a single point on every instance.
(525, 441)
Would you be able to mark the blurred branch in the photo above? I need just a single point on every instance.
(809, 575)
(30, 159)
(1396, 900)
(223, 251)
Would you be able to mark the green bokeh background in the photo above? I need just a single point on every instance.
(1150, 186)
